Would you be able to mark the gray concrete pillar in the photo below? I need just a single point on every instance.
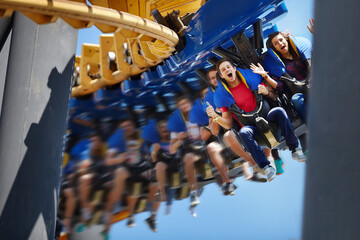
(32, 126)
(332, 197)
(5, 38)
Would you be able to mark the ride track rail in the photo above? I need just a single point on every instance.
(80, 15)
(149, 42)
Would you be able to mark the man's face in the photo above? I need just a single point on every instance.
(227, 71)
(212, 78)
(203, 93)
(128, 127)
(95, 142)
(164, 132)
(184, 105)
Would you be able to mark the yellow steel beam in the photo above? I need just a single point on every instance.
(107, 45)
(92, 14)
(184, 6)
(89, 58)
(41, 18)
(142, 8)
(138, 43)
(119, 5)
(133, 7)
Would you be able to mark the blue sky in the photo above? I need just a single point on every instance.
(257, 211)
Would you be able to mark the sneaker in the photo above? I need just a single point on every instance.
(258, 177)
(270, 173)
(272, 161)
(131, 222)
(194, 199)
(298, 155)
(279, 164)
(151, 223)
(81, 228)
(229, 188)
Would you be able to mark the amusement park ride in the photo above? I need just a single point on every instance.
(150, 50)
(153, 48)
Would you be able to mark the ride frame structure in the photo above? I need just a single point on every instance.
(37, 52)
(36, 70)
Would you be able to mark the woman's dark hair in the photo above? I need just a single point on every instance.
(270, 38)
(286, 36)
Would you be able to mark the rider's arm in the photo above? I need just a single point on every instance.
(225, 120)
(272, 82)
(205, 133)
(175, 142)
(155, 149)
(214, 127)
(113, 157)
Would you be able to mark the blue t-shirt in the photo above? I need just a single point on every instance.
(117, 141)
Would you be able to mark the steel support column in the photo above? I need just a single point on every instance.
(32, 126)
(332, 197)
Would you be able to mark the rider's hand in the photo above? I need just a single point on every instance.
(156, 147)
(311, 27)
(210, 111)
(182, 135)
(263, 90)
(258, 69)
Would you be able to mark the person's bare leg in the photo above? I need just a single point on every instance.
(70, 205)
(246, 170)
(151, 200)
(233, 143)
(121, 174)
(267, 152)
(131, 204)
(156, 207)
(214, 150)
(152, 192)
(84, 189)
(161, 178)
(190, 172)
(270, 158)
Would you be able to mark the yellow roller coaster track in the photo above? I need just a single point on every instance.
(146, 42)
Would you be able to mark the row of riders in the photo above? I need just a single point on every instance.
(195, 131)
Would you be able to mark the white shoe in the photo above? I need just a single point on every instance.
(194, 199)
(258, 177)
(298, 155)
(269, 172)
(272, 161)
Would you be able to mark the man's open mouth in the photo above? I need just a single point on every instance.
(230, 75)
